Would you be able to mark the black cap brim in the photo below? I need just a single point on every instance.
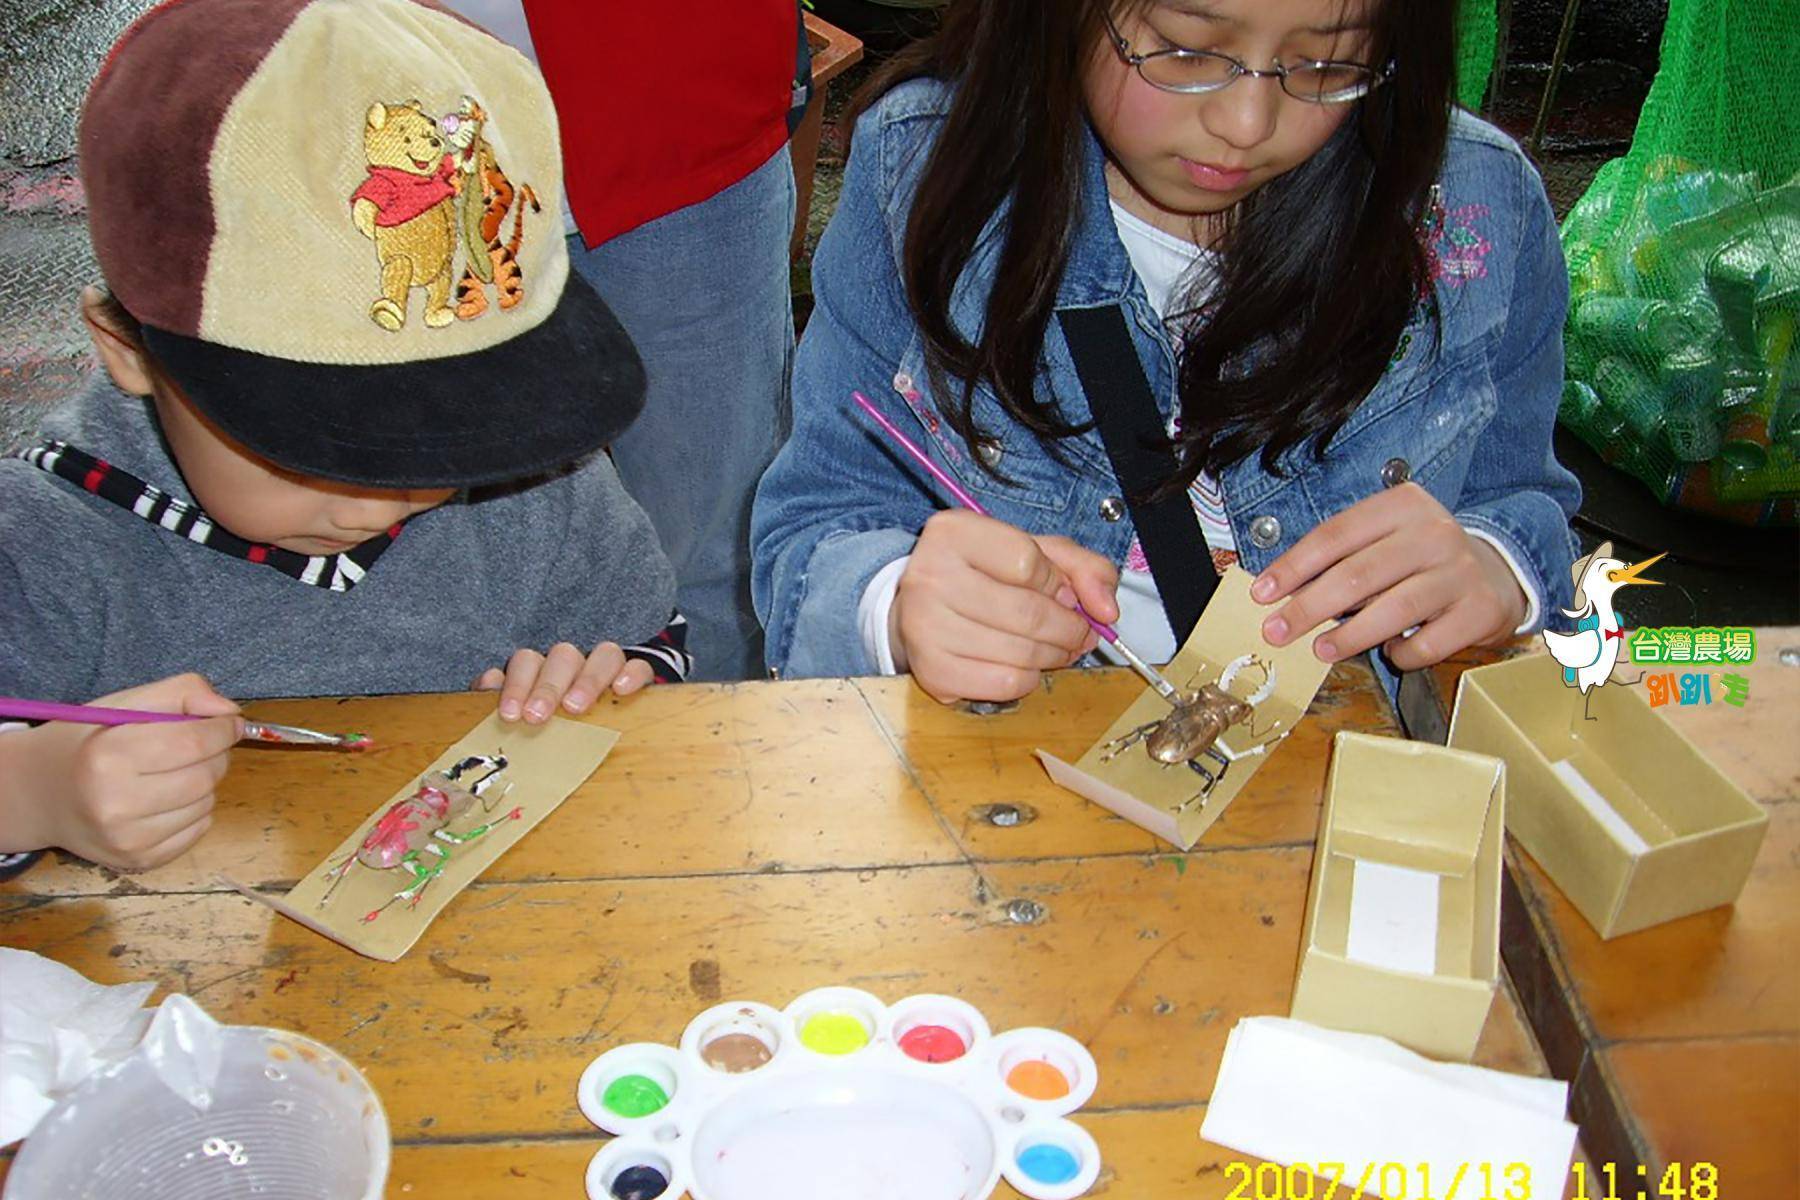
(520, 408)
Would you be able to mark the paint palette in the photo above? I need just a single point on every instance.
(841, 1095)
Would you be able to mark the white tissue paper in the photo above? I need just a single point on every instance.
(1296, 1094)
(56, 1028)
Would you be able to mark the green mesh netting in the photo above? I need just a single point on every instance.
(1684, 261)
(1477, 33)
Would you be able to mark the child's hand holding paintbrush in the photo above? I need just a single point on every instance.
(127, 796)
(128, 780)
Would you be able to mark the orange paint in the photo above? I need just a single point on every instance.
(1038, 1080)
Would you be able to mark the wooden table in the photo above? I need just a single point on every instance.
(1683, 1040)
(744, 841)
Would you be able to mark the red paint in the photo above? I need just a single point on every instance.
(258, 554)
(932, 1044)
(290, 977)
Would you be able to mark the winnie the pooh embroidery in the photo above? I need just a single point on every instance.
(487, 194)
(406, 206)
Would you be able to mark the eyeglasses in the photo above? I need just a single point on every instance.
(1194, 72)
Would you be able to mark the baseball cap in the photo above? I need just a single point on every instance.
(338, 222)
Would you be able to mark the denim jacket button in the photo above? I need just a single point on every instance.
(989, 453)
(1111, 509)
(1265, 531)
(1395, 472)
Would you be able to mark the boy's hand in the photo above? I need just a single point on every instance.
(1396, 560)
(983, 608)
(533, 684)
(125, 796)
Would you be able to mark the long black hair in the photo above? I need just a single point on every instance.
(1320, 268)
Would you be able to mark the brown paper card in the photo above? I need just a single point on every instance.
(544, 764)
(1156, 797)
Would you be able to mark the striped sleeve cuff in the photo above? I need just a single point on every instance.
(666, 653)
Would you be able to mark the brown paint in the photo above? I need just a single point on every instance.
(735, 1053)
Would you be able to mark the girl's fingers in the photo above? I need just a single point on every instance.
(949, 678)
(1362, 524)
(488, 681)
(561, 667)
(1022, 612)
(980, 641)
(1093, 579)
(521, 673)
(597, 673)
(635, 676)
(1462, 625)
(1347, 586)
(1413, 601)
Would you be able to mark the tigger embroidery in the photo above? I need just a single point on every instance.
(486, 195)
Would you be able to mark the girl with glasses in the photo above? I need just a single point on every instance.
(1167, 285)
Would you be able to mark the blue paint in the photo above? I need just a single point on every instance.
(639, 1183)
(1045, 1163)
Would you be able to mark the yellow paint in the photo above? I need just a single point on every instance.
(833, 1033)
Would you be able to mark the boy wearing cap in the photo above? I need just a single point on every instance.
(349, 439)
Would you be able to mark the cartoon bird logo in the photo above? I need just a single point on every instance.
(1588, 655)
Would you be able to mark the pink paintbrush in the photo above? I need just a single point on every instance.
(1150, 675)
(254, 731)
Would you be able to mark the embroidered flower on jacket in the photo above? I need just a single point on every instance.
(1455, 247)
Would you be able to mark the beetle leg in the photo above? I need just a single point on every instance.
(422, 872)
(1220, 749)
(336, 875)
(1219, 755)
(1125, 740)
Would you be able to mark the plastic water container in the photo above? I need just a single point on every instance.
(203, 1111)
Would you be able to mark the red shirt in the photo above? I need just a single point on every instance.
(399, 196)
(662, 105)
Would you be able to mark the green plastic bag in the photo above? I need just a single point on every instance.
(1684, 265)
(1477, 36)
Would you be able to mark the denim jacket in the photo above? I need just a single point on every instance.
(1469, 420)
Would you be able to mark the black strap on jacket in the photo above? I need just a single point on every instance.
(1133, 430)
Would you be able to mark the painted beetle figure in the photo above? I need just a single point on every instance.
(1192, 731)
(412, 835)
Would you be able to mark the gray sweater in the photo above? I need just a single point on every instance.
(94, 598)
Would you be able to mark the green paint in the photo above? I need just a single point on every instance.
(1180, 861)
(834, 1033)
(634, 1096)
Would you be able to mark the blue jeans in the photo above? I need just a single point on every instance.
(703, 292)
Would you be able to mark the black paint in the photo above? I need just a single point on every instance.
(639, 1183)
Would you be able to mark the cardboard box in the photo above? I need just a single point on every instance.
(1629, 819)
(1169, 800)
(1402, 931)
